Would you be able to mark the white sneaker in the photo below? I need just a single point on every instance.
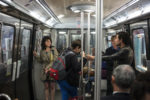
(87, 95)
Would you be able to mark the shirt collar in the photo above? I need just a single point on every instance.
(115, 92)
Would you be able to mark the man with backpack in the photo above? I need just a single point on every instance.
(70, 83)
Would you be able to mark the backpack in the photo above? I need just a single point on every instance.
(58, 69)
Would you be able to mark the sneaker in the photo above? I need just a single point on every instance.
(87, 95)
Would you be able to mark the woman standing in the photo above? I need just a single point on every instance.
(48, 55)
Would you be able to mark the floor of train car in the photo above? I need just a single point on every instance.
(58, 96)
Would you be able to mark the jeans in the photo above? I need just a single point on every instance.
(67, 90)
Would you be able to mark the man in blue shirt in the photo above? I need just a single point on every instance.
(109, 64)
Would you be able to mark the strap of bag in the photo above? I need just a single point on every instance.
(68, 53)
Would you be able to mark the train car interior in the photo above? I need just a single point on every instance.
(23, 24)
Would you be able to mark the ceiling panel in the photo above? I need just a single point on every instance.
(59, 6)
(112, 5)
(33, 8)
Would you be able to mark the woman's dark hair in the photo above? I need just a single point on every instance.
(45, 38)
(125, 37)
(76, 43)
(141, 86)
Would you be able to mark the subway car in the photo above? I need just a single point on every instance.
(23, 24)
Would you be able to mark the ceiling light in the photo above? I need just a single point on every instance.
(51, 22)
(3, 4)
(62, 32)
(76, 11)
(111, 31)
(122, 8)
(61, 16)
(134, 14)
(89, 10)
(93, 32)
(121, 19)
(37, 16)
(76, 8)
(110, 23)
(146, 9)
(9, 0)
(45, 34)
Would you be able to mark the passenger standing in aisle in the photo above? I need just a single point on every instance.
(69, 85)
(109, 64)
(47, 56)
(124, 55)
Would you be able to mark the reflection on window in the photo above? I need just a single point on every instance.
(75, 37)
(92, 41)
(38, 41)
(62, 42)
(7, 44)
(139, 49)
(25, 43)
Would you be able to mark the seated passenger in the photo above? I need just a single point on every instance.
(122, 78)
(141, 87)
(90, 78)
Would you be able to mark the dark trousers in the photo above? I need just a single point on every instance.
(109, 85)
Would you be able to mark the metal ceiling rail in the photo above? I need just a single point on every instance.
(44, 4)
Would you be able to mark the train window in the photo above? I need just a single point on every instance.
(25, 42)
(75, 37)
(62, 41)
(38, 41)
(139, 49)
(92, 40)
(7, 42)
(7, 35)
(109, 41)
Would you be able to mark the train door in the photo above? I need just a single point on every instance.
(140, 45)
(6, 59)
(23, 91)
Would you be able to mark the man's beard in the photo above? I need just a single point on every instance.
(119, 44)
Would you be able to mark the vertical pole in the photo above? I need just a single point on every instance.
(82, 35)
(88, 43)
(98, 60)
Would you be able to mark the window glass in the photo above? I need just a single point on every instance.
(7, 46)
(92, 41)
(62, 42)
(139, 49)
(75, 37)
(25, 44)
(7, 42)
